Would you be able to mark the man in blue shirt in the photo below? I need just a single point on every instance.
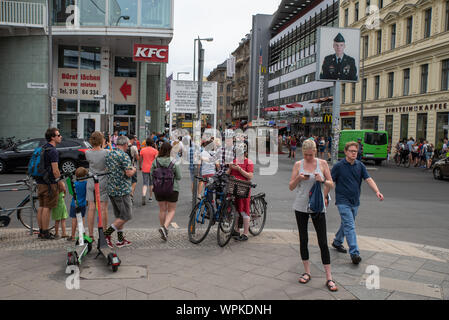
(347, 175)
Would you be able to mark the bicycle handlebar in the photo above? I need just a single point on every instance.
(92, 176)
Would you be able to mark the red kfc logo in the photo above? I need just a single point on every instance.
(150, 53)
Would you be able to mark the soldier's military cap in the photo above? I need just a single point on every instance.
(339, 38)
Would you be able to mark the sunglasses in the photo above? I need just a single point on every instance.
(58, 135)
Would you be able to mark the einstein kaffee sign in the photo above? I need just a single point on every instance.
(72, 85)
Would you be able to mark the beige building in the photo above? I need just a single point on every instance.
(224, 94)
(240, 81)
(404, 68)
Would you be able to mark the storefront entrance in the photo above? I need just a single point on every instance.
(88, 123)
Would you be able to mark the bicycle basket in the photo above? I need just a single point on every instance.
(238, 188)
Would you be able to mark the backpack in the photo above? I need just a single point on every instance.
(316, 201)
(163, 179)
(36, 166)
(429, 148)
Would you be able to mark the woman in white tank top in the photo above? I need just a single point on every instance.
(304, 175)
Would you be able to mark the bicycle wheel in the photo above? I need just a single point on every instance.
(200, 221)
(258, 215)
(24, 215)
(226, 224)
(407, 162)
(398, 160)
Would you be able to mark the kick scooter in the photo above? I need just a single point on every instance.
(84, 243)
(103, 248)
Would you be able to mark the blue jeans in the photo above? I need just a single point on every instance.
(347, 228)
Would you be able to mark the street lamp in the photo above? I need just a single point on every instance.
(194, 52)
(178, 73)
(124, 18)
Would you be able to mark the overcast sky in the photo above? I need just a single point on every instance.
(227, 21)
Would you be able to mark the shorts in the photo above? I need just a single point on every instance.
(122, 207)
(293, 148)
(46, 199)
(170, 198)
(414, 155)
(147, 179)
(90, 190)
(322, 149)
(73, 212)
(134, 178)
(428, 155)
(243, 205)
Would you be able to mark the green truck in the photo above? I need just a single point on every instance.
(375, 144)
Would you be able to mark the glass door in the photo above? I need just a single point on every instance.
(88, 123)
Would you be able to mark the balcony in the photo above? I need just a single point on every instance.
(22, 14)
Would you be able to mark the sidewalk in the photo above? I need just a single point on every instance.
(266, 267)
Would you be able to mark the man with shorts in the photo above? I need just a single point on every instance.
(120, 171)
(48, 189)
(147, 156)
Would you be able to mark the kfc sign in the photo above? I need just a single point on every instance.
(150, 53)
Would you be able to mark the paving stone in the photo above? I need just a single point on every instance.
(261, 292)
(407, 265)
(98, 287)
(430, 277)
(395, 274)
(11, 290)
(301, 292)
(362, 293)
(406, 296)
(172, 294)
(132, 294)
(347, 280)
(268, 272)
(445, 287)
(119, 294)
(412, 287)
(437, 267)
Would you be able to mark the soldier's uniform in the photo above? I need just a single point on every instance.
(339, 68)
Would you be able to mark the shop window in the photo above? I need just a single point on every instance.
(421, 126)
(348, 123)
(67, 105)
(92, 12)
(389, 127)
(89, 106)
(125, 67)
(370, 123)
(90, 58)
(445, 75)
(68, 125)
(68, 57)
(441, 132)
(125, 109)
(404, 127)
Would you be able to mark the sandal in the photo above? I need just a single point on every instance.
(332, 288)
(303, 278)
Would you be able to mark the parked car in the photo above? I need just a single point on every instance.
(441, 169)
(71, 154)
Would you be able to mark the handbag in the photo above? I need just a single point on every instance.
(316, 199)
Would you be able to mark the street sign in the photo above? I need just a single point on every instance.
(34, 85)
(184, 97)
(54, 105)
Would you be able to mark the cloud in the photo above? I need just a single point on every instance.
(225, 21)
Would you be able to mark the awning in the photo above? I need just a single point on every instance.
(321, 100)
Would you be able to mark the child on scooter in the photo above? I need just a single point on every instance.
(80, 189)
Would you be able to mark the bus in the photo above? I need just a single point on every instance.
(375, 144)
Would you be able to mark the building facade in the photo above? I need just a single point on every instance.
(82, 76)
(295, 99)
(240, 81)
(404, 81)
(224, 95)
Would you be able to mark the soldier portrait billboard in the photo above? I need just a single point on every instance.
(338, 54)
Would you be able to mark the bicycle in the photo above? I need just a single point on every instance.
(258, 212)
(403, 158)
(23, 215)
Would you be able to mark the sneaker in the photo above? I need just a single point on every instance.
(235, 234)
(150, 199)
(339, 248)
(48, 236)
(356, 259)
(124, 243)
(109, 242)
(243, 237)
(163, 233)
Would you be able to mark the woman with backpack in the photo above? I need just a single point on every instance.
(304, 175)
(166, 175)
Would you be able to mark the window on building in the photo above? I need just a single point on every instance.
(343, 92)
(389, 127)
(406, 83)
(125, 67)
(424, 77)
(379, 41)
(221, 100)
(441, 132)
(67, 105)
(404, 127)
(364, 84)
(90, 58)
(228, 101)
(393, 37)
(59, 11)
(445, 75)
(381, 4)
(353, 93)
(89, 106)
(124, 109)
(427, 22)
(221, 88)
(371, 123)
(376, 87)
(365, 46)
(408, 38)
(421, 126)
(356, 12)
(68, 57)
(390, 84)
(346, 17)
(228, 88)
